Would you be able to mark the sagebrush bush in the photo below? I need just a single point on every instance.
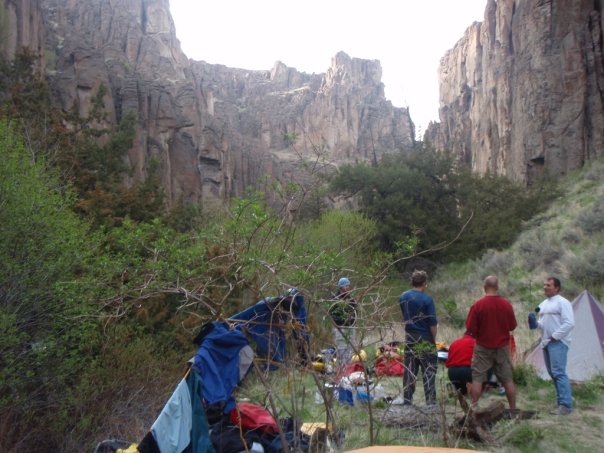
(496, 262)
(538, 248)
(571, 236)
(591, 220)
(588, 268)
(595, 172)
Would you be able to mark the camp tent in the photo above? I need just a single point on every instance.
(586, 352)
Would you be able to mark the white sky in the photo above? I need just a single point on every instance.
(408, 37)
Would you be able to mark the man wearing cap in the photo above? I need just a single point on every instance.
(343, 314)
(419, 315)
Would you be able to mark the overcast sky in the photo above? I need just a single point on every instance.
(408, 37)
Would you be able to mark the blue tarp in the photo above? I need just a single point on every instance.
(267, 321)
(218, 361)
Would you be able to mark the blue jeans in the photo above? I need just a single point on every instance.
(555, 360)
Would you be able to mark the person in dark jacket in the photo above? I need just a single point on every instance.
(343, 313)
(419, 314)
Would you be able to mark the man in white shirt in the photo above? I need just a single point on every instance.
(556, 321)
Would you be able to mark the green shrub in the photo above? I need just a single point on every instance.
(526, 437)
(539, 249)
(592, 220)
(588, 393)
(571, 236)
(496, 262)
(48, 320)
(524, 375)
(453, 314)
(588, 268)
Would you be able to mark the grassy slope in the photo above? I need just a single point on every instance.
(566, 241)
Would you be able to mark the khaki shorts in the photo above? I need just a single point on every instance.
(497, 359)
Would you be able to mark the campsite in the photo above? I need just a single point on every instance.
(170, 262)
(309, 392)
(353, 402)
(124, 363)
(109, 347)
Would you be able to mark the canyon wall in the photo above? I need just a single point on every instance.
(523, 92)
(216, 131)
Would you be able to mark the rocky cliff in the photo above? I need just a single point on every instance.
(21, 26)
(216, 131)
(523, 91)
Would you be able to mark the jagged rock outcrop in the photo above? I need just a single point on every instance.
(216, 131)
(523, 91)
(21, 27)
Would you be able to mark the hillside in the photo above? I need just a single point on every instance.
(565, 241)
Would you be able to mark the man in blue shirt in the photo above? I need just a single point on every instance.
(419, 315)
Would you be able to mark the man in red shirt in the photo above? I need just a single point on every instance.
(491, 319)
(459, 362)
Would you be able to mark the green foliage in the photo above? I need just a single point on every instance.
(126, 380)
(592, 220)
(589, 393)
(314, 203)
(103, 165)
(99, 179)
(291, 138)
(538, 247)
(183, 216)
(25, 99)
(346, 233)
(86, 315)
(45, 313)
(407, 195)
(422, 194)
(452, 313)
(588, 269)
(526, 437)
(524, 375)
(88, 155)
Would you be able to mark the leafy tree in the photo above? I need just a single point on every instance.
(407, 195)
(87, 154)
(66, 290)
(453, 213)
(25, 99)
(45, 305)
(498, 207)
